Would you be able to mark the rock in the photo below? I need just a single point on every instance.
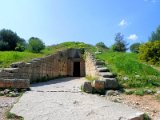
(158, 92)
(10, 70)
(98, 52)
(106, 74)
(112, 93)
(2, 93)
(117, 100)
(17, 64)
(100, 63)
(87, 87)
(99, 66)
(103, 69)
(12, 94)
(138, 116)
(98, 85)
(110, 83)
(6, 91)
(149, 92)
(15, 83)
(125, 78)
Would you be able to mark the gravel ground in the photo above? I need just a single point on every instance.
(147, 103)
(5, 104)
(61, 99)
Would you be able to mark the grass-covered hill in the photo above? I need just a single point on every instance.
(130, 72)
(8, 57)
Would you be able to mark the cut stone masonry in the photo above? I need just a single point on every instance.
(70, 62)
(97, 69)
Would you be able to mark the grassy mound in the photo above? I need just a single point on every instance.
(131, 72)
(8, 57)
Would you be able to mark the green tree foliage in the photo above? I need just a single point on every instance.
(9, 40)
(150, 52)
(120, 45)
(101, 45)
(135, 47)
(155, 35)
(35, 45)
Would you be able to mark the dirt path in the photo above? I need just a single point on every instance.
(5, 104)
(61, 99)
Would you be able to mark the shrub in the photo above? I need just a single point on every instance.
(135, 47)
(101, 45)
(9, 40)
(150, 52)
(20, 47)
(139, 92)
(35, 45)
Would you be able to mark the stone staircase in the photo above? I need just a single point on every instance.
(105, 80)
(106, 76)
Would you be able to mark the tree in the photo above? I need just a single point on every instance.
(9, 40)
(150, 52)
(101, 45)
(155, 35)
(35, 45)
(120, 44)
(135, 47)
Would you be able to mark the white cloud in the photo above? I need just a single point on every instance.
(132, 37)
(123, 23)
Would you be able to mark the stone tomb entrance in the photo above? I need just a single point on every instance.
(77, 63)
(76, 69)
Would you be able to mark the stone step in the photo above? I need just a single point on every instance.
(14, 83)
(99, 66)
(110, 83)
(106, 74)
(103, 69)
(100, 63)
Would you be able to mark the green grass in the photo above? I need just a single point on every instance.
(90, 78)
(8, 57)
(127, 65)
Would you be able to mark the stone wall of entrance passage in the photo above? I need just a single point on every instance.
(90, 66)
(41, 69)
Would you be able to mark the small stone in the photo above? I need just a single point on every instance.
(2, 93)
(106, 74)
(98, 84)
(112, 93)
(103, 69)
(75, 102)
(137, 116)
(125, 78)
(12, 94)
(149, 92)
(158, 92)
(6, 91)
(137, 103)
(155, 111)
(117, 101)
(87, 87)
(110, 83)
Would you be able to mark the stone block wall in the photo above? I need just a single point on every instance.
(90, 65)
(49, 67)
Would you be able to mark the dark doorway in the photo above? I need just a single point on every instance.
(76, 69)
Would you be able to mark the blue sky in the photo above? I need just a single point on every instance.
(89, 21)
